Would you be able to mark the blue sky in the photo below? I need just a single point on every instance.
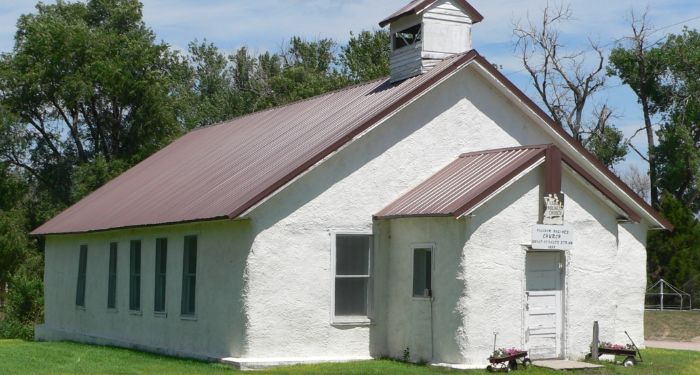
(264, 25)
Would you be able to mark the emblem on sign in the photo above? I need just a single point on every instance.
(553, 209)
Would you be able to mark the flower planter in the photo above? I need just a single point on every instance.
(630, 352)
(508, 362)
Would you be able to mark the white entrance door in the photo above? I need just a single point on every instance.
(543, 277)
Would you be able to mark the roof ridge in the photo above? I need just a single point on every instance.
(503, 149)
(289, 104)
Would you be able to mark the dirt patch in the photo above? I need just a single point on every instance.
(672, 325)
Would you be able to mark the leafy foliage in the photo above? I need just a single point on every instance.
(366, 56)
(675, 256)
(13, 242)
(216, 87)
(85, 79)
(20, 266)
(679, 138)
(25, 302)
(666, 79)
(608, 145)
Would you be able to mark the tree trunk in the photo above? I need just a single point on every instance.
(653, 185)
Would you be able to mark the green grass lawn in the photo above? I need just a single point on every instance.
(672, 325)
(21, 357)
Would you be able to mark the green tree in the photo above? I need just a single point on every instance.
(215, 87)
(86, 79)
(13, 242)
(85, 92)
(308, 69)
(207, 95)
(675, 256)
(638, 64)
(367, 55)
(608, 145)
(678, 165)
(666, 79)
(25, 301)
(678, 151)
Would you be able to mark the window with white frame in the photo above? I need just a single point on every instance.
(351, 267)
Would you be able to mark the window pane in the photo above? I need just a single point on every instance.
(191, 254)
(160, 272)
(112, 278)
(351, 296)
(82, 268)
(161, 255)
(422, 272)
(352, 254)
(135, 276)
(189, 278)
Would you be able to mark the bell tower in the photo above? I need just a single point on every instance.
(425, 32)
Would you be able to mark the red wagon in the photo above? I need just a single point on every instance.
(509, 362)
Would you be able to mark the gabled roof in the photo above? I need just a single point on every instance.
(221, 171)
(609, 176)
(476, 177)
(464, 183)
(416, 6)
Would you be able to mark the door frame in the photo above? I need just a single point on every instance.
(563, 257)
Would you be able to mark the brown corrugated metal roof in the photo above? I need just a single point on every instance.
(416, 6)
(221, 171)
(464, 183)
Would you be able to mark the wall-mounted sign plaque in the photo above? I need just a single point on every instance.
(552, 237)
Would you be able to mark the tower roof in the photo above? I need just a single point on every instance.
(416, 6)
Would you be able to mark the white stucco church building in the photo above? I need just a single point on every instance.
(424, 211)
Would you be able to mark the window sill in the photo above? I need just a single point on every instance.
(112, 311)
(80, 308)
(352, 322)
(424, 299)
(192, 318)
(135, 312)
(160, 314)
